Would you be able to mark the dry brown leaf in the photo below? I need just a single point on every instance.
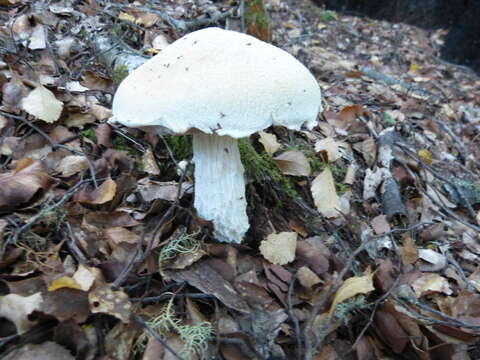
(307, 277)
(279, 248)
(409, 251)
(269, 142)
(350, 113)
(151, 190)
(104, 193)
(150, 163)
(330, 147)
(42, 104)
(96, 82)
(19, 186)
(293, 163)
(71, 165)
(104, 135)
(351, 287)
(380, 224)
(324, 194)
(431, 283)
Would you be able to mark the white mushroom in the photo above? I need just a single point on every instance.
(219, 86)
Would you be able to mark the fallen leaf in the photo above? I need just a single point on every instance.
(307, 277)
(409, 251)
(104, 193)
(150, 163)
(269, 142)
(293, 163)
(17, 308)
(380, 225)
(19, 186)
(47, 350)
(351, 287)
(151, 190)
(324, 194)
(64, 282)
(279, 248)
(71, 165)
(105, 300)
(431, 283)
(330, 147)
(42, 104)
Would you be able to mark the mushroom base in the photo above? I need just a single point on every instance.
(220, 186)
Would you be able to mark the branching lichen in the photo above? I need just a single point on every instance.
(195, 338)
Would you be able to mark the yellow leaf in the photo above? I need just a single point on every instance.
(426, 156)
(126, 17)
(64, 282)
(414, 67)
(351, 287)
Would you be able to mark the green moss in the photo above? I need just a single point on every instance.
(90, 134)
(122, 144)
(328, 15)
(119, 73)
(263, 170)
(181, 146)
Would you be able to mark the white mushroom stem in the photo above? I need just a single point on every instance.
(220, 185)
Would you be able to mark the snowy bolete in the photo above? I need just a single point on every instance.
(219, 86)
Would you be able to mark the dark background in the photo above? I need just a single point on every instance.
(460, 17)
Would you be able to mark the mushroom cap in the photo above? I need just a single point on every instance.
(218, 81)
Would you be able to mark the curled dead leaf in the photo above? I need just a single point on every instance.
(19, 186)
(104, 193)
(324, 194)
(351, 287)
(293, 163)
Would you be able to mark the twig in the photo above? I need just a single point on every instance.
(117, 130)
(16, 235)
(460, 192)
(155, 299)
(390, 81)
(72, 245)
(372, 315)
(139, 256)
(311, 340)
(294, 318)
(157, 337)
(457, 267)
(450, 321)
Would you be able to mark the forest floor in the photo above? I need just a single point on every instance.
(103, 257)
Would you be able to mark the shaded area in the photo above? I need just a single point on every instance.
(459, 17)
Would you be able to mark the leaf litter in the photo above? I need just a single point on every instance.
(102, 253)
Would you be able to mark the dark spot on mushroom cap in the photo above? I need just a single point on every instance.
(195, 42)
(179, 57)
(289, 103)
(186, 69)
(304, 90)
(248, 44)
